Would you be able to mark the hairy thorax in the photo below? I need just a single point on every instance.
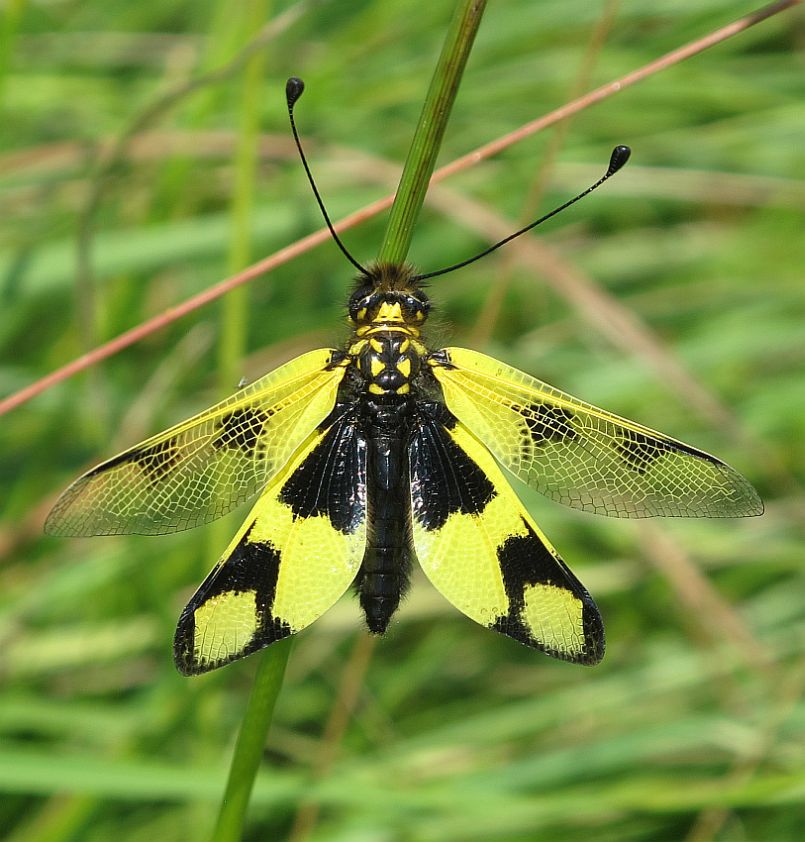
(387, 312)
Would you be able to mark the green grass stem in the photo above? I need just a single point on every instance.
(430, 129)
(410, 195)
(251, 741)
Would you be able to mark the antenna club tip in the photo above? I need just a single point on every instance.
(294, 88)
(620, 155)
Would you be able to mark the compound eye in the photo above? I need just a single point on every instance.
(411, 306)
(416, 310)
(359, 307)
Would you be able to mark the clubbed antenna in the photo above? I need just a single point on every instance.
(294, 88)
(620, 155)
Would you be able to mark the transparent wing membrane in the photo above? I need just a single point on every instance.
(201, 468)
(583, 456)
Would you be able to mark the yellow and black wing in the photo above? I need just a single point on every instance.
(583, 456)
(296, 554)
(203, 467)
(479, 547)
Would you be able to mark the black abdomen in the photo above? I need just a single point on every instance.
(383, 577)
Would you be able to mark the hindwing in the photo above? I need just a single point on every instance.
(297, 553)
(201, 468)
(583, 456)
(479, 547)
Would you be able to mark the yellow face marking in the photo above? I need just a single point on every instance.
(376, 390)
(361, 315)
(555, 617)
(404, 389)
(224, 624)
(376, 346)
(404, 367)
(368, 330)
(405, 345)
(389, 313)
(376, 366)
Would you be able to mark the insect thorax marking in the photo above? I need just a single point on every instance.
(388, 358)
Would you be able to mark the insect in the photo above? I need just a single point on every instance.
(385, 450)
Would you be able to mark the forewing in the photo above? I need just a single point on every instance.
(479, 547)
(297, 553)
(583, 456)
(201, 468)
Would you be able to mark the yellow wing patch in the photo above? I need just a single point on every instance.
(556, 615)
(296, 554)
(225, 625)
(200, 469)
(583, 456)
(477, 544)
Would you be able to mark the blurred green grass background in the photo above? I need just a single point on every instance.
(674, 296)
